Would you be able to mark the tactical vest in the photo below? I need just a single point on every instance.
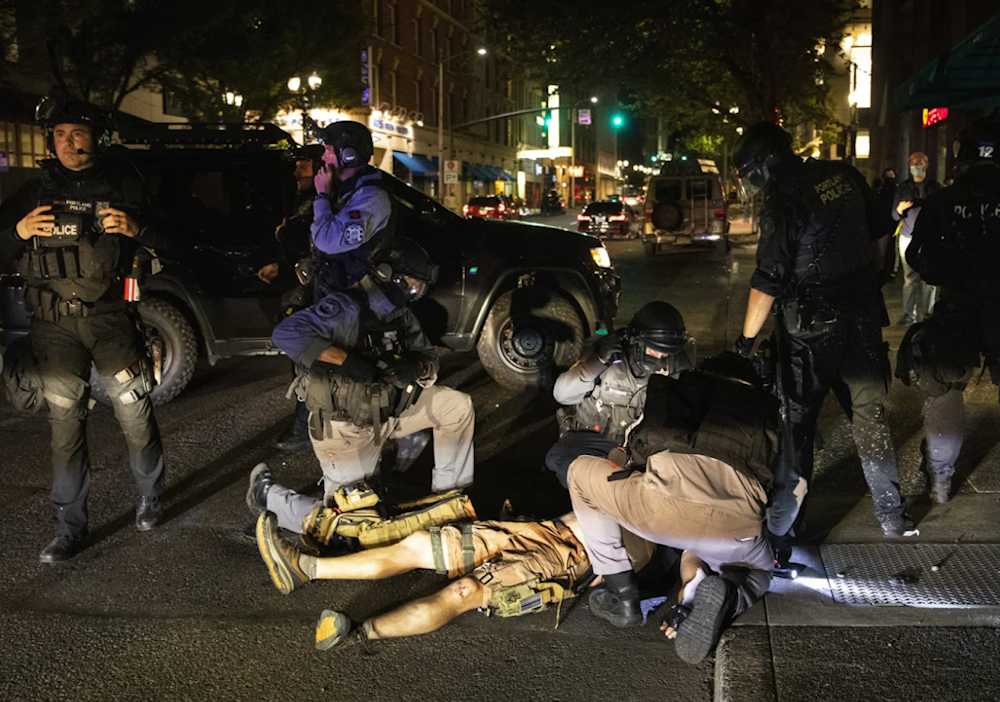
(832, 248)
(332, 396)
(336, 272)
(703, 414)
(614, 404)
(80, 261)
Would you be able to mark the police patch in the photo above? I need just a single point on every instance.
(354, 234)
(767, 227)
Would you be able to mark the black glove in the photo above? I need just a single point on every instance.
(743, 346)
(358, 369)
(610, 348)
(402, 373)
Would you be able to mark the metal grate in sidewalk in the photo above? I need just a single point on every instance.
(914, 575)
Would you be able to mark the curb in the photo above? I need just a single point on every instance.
(744, 669)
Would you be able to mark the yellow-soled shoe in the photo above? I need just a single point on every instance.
(333, 631)
(280, 557)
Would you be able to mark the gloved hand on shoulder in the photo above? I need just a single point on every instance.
(357, 368)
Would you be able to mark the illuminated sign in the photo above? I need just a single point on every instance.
(554, 152)
(934, 115)
(575, 171)
(382, 125)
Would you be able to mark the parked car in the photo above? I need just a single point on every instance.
(685, 207)
(609, 218)
(525, 296)
(553, 204)
(491, 207)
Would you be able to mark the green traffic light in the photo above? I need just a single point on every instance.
(617, 120)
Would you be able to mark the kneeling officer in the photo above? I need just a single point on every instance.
(367, 373)
(75, 233)
(608, 387)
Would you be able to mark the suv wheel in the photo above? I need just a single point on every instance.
(180, 352)
(529, 333)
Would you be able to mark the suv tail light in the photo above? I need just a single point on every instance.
(617, 218)
(465, 209)
(720, 214)
(502, 207)
(582, 218)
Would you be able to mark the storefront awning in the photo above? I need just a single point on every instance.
(499, 173)
(473, 171)
(418, 165)
(966, 75)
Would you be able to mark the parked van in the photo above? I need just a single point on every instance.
(685, 207)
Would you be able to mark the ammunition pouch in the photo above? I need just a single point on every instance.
(330, 396)
(371, 528)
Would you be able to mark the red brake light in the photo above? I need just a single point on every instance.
(720, 214)
(502, 207)
(582, 218)
(647, 216)
(617, 218)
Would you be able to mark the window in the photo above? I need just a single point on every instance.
(379, 26)
(392, 24)
(699, 189)
(418, 44)
(447, 48)
(392, 87)
(418, 89)
(434, 46)
(170, 104)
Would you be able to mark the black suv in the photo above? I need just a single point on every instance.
(524, 295)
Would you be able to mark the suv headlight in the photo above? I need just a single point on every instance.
(601, 257)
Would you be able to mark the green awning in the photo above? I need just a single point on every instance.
(966, 75)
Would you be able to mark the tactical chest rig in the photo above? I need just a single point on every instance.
(332, 396)
(614, 404)
(72, 269)
(702, 414)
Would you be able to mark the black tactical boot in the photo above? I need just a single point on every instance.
(297, 437)
(618, 602)
(62, 548)
(940, 485)
(900, 527)
(713, 607)
(148, 513)
(261, 481)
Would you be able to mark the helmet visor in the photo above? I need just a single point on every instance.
(667, 353)
(748, 184)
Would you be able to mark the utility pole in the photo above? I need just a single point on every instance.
(573, 114)
(440, 192)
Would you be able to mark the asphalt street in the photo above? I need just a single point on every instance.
(187, 611)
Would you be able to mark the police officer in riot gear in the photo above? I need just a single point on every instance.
(607, 387)
(817, 268)
(368, 373)
(352, 212)
(74, 233)
(956, 244)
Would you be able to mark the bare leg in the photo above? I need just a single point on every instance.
(429, 613)
(411, 553)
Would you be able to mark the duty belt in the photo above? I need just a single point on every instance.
(48, 306)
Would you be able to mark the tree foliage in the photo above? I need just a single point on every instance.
(687, 61)
(104, 50)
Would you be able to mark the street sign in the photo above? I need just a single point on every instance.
(4, 162)
(452, 169)
(583, 116)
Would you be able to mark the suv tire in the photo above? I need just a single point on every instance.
(530, 333)
(668, 216)
(180, 352)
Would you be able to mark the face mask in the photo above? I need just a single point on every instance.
(918, 171)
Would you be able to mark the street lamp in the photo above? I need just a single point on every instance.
(295, 85)
(574, 117)
(481, 51)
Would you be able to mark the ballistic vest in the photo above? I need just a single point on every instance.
(614, 403)
(335, 272)
(699, 413)
(823, 208)
(79, 261)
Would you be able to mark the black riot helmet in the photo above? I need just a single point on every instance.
(756, 154)
(980, 141)
(656, 338)
(404, 271)
(58, 108)
(351, 140)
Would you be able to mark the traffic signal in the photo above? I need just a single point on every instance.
(617, 120)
